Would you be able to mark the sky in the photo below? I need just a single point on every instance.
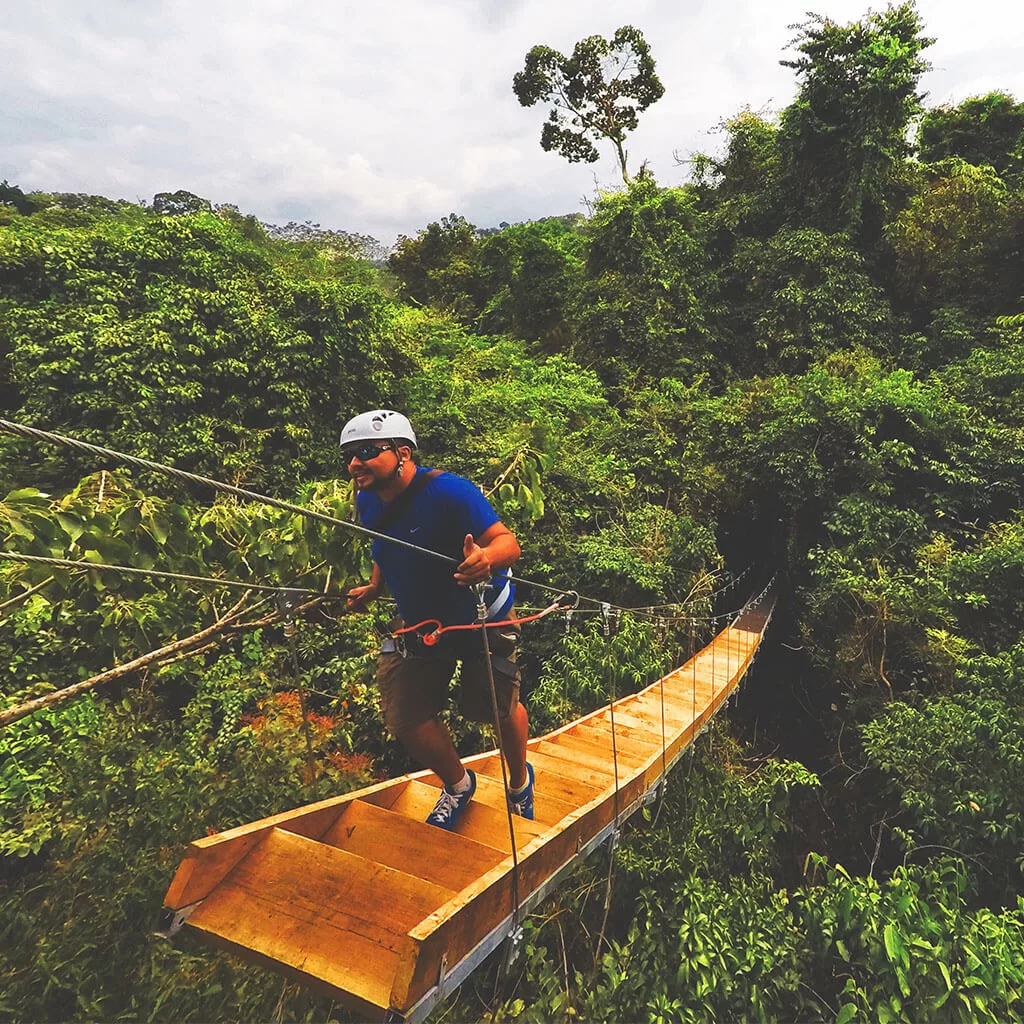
(378, 118)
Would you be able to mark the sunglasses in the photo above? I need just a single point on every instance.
(364, 452)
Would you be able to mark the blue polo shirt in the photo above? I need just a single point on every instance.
(438, 518)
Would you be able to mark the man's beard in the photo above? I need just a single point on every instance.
(375, 484)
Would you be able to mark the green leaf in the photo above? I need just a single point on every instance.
(26, 494)
(846, 1013)
(945, 976)
(18, 528)
(901, 979)
(71, 525)
(894, 947)
(158, 528)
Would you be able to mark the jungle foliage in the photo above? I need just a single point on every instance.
(808, 358)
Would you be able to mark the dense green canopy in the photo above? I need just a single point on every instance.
(806, 360)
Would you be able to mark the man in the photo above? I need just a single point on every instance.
(445, 513)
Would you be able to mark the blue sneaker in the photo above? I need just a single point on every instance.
(522, 803)
(451, 806)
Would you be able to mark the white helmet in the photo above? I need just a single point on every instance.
(379, 425)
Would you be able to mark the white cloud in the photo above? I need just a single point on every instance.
(380, 118)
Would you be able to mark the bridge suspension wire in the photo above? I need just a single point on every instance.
(733, 582)
(128, 570)
(35, 434)
(664, 636)
(609, 618)
(479, 590)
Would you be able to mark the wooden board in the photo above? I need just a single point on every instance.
(481, 823)
(320, 910)
(549, 809)
(392, 839)
(358, 897)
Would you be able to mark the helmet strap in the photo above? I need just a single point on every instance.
(396, 475)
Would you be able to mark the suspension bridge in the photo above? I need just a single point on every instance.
(360, 899)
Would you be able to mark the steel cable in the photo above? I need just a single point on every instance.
(69, 563)
(34, 433)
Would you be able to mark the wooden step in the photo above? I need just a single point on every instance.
(578, 752)
(631, 728)
(320, 911)
(548, 785)
(576, 778)
(637, 744)
(719, 664)
(415, 799)
(695, 675)
(601, 746)
(444, 858)
(651, 710)
(639, 725)
(634, 730)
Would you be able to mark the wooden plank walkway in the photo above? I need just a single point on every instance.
(359, 898)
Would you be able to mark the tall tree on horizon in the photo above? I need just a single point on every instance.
(596, 93)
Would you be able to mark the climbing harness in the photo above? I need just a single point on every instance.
(566, 602)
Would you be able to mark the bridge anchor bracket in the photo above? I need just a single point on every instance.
(171, 921)
(513, 949)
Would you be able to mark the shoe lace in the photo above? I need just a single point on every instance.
(446, 803)
(520, 800)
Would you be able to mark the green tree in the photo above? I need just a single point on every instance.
(959, 240)
(11, 195)
(596, 93)
(953, 762)
(740, 186)
(843, 141)
(796, 297)
(440, 267)
(643, 305)
(177, 340)
(177, 204)
(534, 274)
(982, 130)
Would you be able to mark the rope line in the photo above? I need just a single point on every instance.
(435, 634)
(502, 759)
(14, 556)
(606, 615)
(34, 433)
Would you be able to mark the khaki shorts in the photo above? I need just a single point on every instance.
(414, 689)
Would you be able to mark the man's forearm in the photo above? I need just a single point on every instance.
(503, 551)
(376, 578)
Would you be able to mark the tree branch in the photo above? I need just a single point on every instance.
(25, 595)
(178, 649)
